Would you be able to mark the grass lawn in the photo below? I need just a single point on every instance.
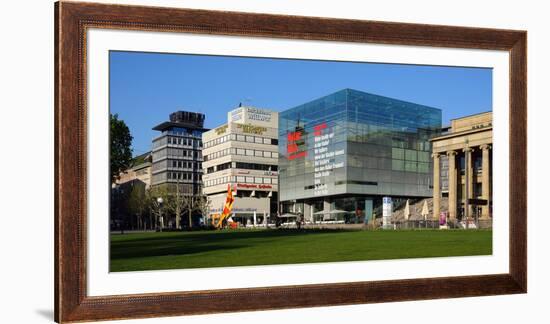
(180, 250)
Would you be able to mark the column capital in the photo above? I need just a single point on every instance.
(436, 155)
(451, 153)
(485, 147)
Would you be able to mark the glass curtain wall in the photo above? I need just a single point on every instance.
(356, 143)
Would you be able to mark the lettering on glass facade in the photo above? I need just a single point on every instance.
(323, 158)
(295, 145)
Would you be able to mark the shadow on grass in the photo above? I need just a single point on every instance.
(186, 243)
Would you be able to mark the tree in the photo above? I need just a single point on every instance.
(121, 152)
(174, 201)
(154, 207)
(137, 203)
(179, 203)
(203, 206)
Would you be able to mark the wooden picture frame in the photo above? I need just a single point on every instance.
(71, 23)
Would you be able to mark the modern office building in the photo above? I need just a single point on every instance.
(177, 156)
(466, 144)
(243, 153)
(339, 155)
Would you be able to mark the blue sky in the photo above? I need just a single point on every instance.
(146, 87)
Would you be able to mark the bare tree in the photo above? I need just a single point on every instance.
(202, 205)
(178, 203)
(154, 205)
(137, 203)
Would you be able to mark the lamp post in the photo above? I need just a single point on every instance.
(159, 221)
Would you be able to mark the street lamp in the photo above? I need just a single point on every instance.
(160, 222)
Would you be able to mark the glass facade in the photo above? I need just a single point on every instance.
(352, 143)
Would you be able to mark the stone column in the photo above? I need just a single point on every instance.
(485, 179)
(468, 180)
(437, 187)
(452, 184)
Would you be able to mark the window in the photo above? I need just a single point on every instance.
(423, 167)
(424, 156)
(267, 141)
(267, 154)
(258, 140)
(267, 180)
(249, 180)
(410, 166)
(240, 138)
(274, 141)
(249, 152)
(240, 179)
(258, 153)
(240, 151)
(398, 165)
(274, 155)
(250, 139)
(410, 155)
(397, 153)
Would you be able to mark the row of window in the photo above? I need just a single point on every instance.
(410, 166)
(241, 138)
(240, 151)
(410, 155)
(172, 151)
(184, 141)
(242, 165)
(177, 140)
(180, 164)
(183, 176)
(239, 179)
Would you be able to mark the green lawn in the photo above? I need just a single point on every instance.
(180, 250)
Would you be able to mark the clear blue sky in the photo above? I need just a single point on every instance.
(146, 87)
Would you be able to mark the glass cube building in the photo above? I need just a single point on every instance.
(340, 154)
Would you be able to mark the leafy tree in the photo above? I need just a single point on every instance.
(121, 152)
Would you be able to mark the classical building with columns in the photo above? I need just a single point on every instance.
(462, 160)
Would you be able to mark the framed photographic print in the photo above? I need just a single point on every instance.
(212, 161)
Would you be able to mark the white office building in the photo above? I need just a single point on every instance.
(244, 154)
